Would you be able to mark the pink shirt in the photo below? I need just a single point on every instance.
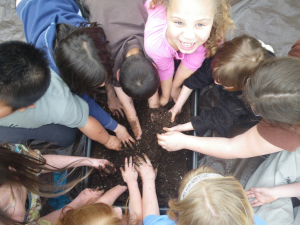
(159, 49)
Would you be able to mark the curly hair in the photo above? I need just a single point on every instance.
(222, 23)
(82, 57)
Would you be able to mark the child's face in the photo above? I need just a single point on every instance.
(189, 24)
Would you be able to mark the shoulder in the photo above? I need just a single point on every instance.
(158, 220)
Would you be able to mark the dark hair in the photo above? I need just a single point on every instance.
(274, 91)
(139, 78)
(236, 61)
(82, 57)
(24, 74)
(21, 169)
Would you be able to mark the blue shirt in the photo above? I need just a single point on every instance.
(40, 18)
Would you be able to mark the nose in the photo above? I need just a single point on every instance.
(188, 33)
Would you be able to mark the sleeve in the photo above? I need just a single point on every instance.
(158, 220)
(258, 221)
(202, 77)
(194, 61)
(99, 114)
(76, 112)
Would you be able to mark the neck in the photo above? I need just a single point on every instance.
(133, 51)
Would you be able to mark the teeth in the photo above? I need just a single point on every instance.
(188, 45)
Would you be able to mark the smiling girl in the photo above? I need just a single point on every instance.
(187, 30)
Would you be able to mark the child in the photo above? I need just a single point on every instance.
(232, 65)
(135, 75)
(20, 168)
(102, 213)
(75, 50)
(204, 197)
(36, 104)
(189, 31)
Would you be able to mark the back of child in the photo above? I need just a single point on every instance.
(173, 31)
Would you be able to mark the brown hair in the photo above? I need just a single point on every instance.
(222, 23)
(215, 201)
(93, 214)
(274, 91)
(236, 61)
(82, 57)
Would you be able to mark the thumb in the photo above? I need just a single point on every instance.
(167, 129)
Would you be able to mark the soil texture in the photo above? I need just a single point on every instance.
(171, 165)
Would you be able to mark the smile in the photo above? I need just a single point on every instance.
(187, 45)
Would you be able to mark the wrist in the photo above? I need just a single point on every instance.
(132, 183)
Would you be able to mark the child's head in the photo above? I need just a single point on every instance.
(237, 60)
(82, 57)
(94, 214)
(274, 91)
(209, 198)
(138, 77)
(192, 23)
(24, 76)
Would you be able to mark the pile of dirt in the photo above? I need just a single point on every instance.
(171, 165)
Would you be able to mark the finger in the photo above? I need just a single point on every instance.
(129, 143)
(147, 159)
(124, 143)
(251, 195)
(126, 163)
(137, 168)
(255, 203)
(140, 159)
(156, 170)
(131, 139)
(120, 110)
(106, 170)
(116, 112)
(130, 162)
(122, 171)
(168, 129)
(173, 117)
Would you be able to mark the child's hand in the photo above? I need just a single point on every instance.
(175, 110)
(129, 175)
(262, 196)
(124, 136)
(89, 195)
(114, 104)
(111, 195)
(175, 93)
(136, 128)
(171, 141)
(145, 168)
(163, 100)
(114, 143)
(101, 164)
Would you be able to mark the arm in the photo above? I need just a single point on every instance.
(130, 176)
(113, 102)
(166, 86)
(153, 101)
(180, 127)
(181, 74)
(130, 112)
(95, 131)
(183, 96)
(148, 175)
(111, 195)
(248, 144)
(264, 195)
(61, 161)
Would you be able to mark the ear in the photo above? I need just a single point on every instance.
(154, 65)
(118, 74)
(24, 108)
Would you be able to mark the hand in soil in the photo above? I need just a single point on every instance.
(175, 111)
(101, 164)
(108, 170)
(89, 195)
(163, 100)
(145, 168)
(111, 195)
(136, 128)
(124, 136)
(175, 93)
(114, 104)
(114, 143)
(171, 141)
(129, 174)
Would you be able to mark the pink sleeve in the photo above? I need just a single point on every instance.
(194, 61)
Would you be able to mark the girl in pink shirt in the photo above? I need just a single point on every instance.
(189, 30)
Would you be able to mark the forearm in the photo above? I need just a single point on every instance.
(184, 127)
(166, 86)
(181, 74)
(135, 201)
(183, 96)
(149, 202)
(95, 131)
(62, 161)
(287, 191)
(153, 101)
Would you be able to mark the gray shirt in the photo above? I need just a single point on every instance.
(123, 22)
(57, 106)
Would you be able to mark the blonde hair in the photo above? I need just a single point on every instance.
(93, 214)
(212, 201)
(222, 23)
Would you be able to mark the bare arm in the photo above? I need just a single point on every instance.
(95, 131)
(113, 102)
(248, 144)
(166, 86)
(181, 74)
(111, 195)
(130, 112)
(153, 101)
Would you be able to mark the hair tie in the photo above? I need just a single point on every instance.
(196, 180)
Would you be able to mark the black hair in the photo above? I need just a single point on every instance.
(82, 57)
(139, 78)
(24, 74)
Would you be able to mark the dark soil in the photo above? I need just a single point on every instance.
(171, 165)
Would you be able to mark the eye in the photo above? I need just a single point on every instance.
(179, 23)
(199, 25)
